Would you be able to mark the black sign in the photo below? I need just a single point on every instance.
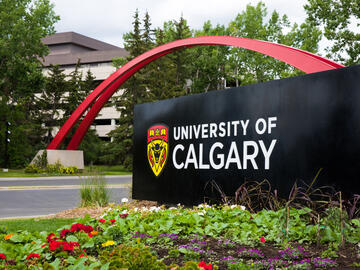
(282, 131)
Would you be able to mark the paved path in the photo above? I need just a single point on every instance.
(36, 197)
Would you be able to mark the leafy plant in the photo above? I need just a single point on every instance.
(131, 258)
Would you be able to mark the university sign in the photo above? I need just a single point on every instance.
(220, 157)
(282, 131)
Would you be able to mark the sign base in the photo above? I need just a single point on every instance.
(67, 158)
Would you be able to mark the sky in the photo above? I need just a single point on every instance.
(108, 20)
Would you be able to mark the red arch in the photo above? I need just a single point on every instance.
(300, 59)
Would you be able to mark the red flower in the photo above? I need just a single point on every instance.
(77, 227)
(262, 239)
(87, 228)
(44, 245)
(202, 265)
(90, 235)
(55, 245)
(69, 246)
(123, 215)
(2, 256)
(64, 232)
(51, 237)
(112, 221)
(33, 255)
(101, 220)
(82, 255)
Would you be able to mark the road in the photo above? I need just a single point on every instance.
(21, 197)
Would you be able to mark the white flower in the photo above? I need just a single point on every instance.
(172, 208)
(136, 209)
(200, 213)
(242, 207)
(200, 206)
(233, 206)
(124, 200)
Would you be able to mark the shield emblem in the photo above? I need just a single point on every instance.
(157, 147)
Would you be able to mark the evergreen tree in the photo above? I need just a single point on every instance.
(51, 101)
(134, 92)
(75, 93)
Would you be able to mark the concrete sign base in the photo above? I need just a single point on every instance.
(67, 158)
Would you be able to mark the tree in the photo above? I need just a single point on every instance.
(250, 67)
(338, 18)
(22, 25)
(134, 92)
(51, 101)
(208, 71)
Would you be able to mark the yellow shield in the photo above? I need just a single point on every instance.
(157, 147)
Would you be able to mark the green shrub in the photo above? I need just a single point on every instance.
(131, 258)
(56, 168)
(69, 170)
(41, 160)
(32, 168)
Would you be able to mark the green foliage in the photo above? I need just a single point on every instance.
(133, 229)
(51, 169)
(338, 19)
(22, 25)
(41, 160)
(247, 67)
(131, 258)
(331, 251)
(93, 191)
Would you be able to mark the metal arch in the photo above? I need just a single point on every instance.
(305, 61)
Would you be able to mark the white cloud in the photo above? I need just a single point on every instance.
(108, 20)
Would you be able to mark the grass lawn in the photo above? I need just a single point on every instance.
(107, 170)
(33, 224)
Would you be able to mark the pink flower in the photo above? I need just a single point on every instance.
(203, 266)
(101, 220)
(262, 239)
(2, 256)
(33, 255)
(123, 215)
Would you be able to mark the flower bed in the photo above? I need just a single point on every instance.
(204, 237)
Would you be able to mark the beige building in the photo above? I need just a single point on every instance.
(67, 48)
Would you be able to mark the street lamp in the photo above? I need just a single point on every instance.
(7, 141)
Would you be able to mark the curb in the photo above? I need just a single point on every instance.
(57, 187)
(59, 177)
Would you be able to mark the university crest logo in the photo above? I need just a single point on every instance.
(157, 147)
